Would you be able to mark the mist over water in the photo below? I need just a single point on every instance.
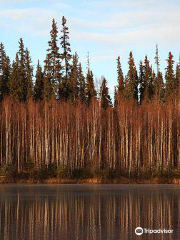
(88, 212)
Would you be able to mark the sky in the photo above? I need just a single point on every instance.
(106, 29)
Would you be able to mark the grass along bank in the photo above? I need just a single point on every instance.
(52, 174)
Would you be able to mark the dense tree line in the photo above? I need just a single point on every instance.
(59, 117)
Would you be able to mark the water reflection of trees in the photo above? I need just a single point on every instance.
(88, 215)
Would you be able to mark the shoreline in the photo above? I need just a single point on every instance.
(122, 180)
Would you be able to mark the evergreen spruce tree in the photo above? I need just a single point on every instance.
(104, 95)
(132, 80)
(159, 87)
(20, 83)
(82, 85)
(121, 85)
(178, 78)
(178, 73)
(73, 83)
(21, 72)
(171, 82)
(53, 68)
(16, 84)
(39, 84)
(66, 58)
(48, 91)
(28, 76)
(90, 88)
(149, 81)
(4, 72)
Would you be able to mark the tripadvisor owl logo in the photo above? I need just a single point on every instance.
(139, 231)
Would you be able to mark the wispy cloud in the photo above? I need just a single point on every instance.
(28, 21)
(108, 28)
(7, 2)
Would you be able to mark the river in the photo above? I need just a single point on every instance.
(88, 212)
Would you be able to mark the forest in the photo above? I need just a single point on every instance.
(58, 123)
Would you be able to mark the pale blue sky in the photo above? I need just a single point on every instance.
(104, 28)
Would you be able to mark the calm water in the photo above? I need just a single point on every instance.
(88, 212)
